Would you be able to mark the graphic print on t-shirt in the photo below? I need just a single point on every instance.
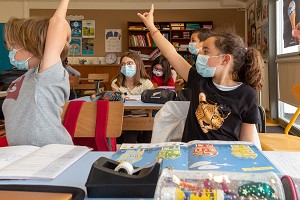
(210, 116)
(14, 88)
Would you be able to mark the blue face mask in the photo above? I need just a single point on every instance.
(202, 68)
(192, 48)
(20, 64)
(128, 70)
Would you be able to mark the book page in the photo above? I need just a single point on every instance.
(10, 154)
(287, 162)
(174, 154)
(45, 163)
(232, 156)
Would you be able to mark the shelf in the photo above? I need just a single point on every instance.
(142, 42)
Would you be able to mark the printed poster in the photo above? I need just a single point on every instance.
(258, 38)
(251, 27)
(75, 47)
(265, 41)
(113, 40)
(88, 28)
(258, 12)
(76, 28)
(87, 46)
(291, 18)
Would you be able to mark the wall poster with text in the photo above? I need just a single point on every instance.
(75, 47)
(251, 26)
(113, 40)
(265, 41)
(88, 28)
(76, 28)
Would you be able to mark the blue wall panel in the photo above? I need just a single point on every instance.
(4, 60)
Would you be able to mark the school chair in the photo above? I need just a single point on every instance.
(97, 79)
(283, 142)
(94, 124)
(74, 82)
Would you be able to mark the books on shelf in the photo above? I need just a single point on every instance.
(207, 26)
(178, 28)
(31, 162)
(199, 155)
(136, 28)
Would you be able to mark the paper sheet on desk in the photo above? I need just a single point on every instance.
(133, 98)
(287, 162)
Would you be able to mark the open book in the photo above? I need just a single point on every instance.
(199, 155)
(31, 162)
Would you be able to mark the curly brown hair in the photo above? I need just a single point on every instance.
(140, 70)
(248, 62)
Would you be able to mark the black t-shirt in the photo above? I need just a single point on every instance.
(220, 113)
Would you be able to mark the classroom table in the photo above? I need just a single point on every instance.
(292, 143)
(76, 175)
(140, 123)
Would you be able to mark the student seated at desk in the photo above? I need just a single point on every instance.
(70, 70)
(224, 85)
(161, 72)
(195, 46)
(132, 80)
(33, 104)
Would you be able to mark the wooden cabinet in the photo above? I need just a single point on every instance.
(178, 33)
(112, 70)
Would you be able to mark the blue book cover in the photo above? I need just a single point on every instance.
(199, 155)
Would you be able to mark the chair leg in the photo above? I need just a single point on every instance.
(293, 119)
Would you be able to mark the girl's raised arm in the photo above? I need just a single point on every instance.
(58, 35)
(181, 66)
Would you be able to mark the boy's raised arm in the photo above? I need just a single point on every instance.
(58, 35)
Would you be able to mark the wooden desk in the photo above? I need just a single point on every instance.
(139, 123)
(280, 142)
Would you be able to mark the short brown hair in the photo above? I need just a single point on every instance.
(29, 34)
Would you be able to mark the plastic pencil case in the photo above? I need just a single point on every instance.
(213, 185)
(291, 187)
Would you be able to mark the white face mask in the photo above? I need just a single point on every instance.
(202, 68)
(192, 48)
(157, 73)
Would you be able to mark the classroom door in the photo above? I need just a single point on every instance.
(4, 60)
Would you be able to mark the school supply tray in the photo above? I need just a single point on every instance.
(179, 184)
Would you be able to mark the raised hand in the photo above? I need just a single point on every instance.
(148, 18)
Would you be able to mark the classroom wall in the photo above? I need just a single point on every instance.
(117, 19)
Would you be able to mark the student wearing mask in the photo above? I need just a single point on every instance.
(132, 80)
(195, 46)
(70, 69)
(33, 104)
(224, 85)
(161, 72)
